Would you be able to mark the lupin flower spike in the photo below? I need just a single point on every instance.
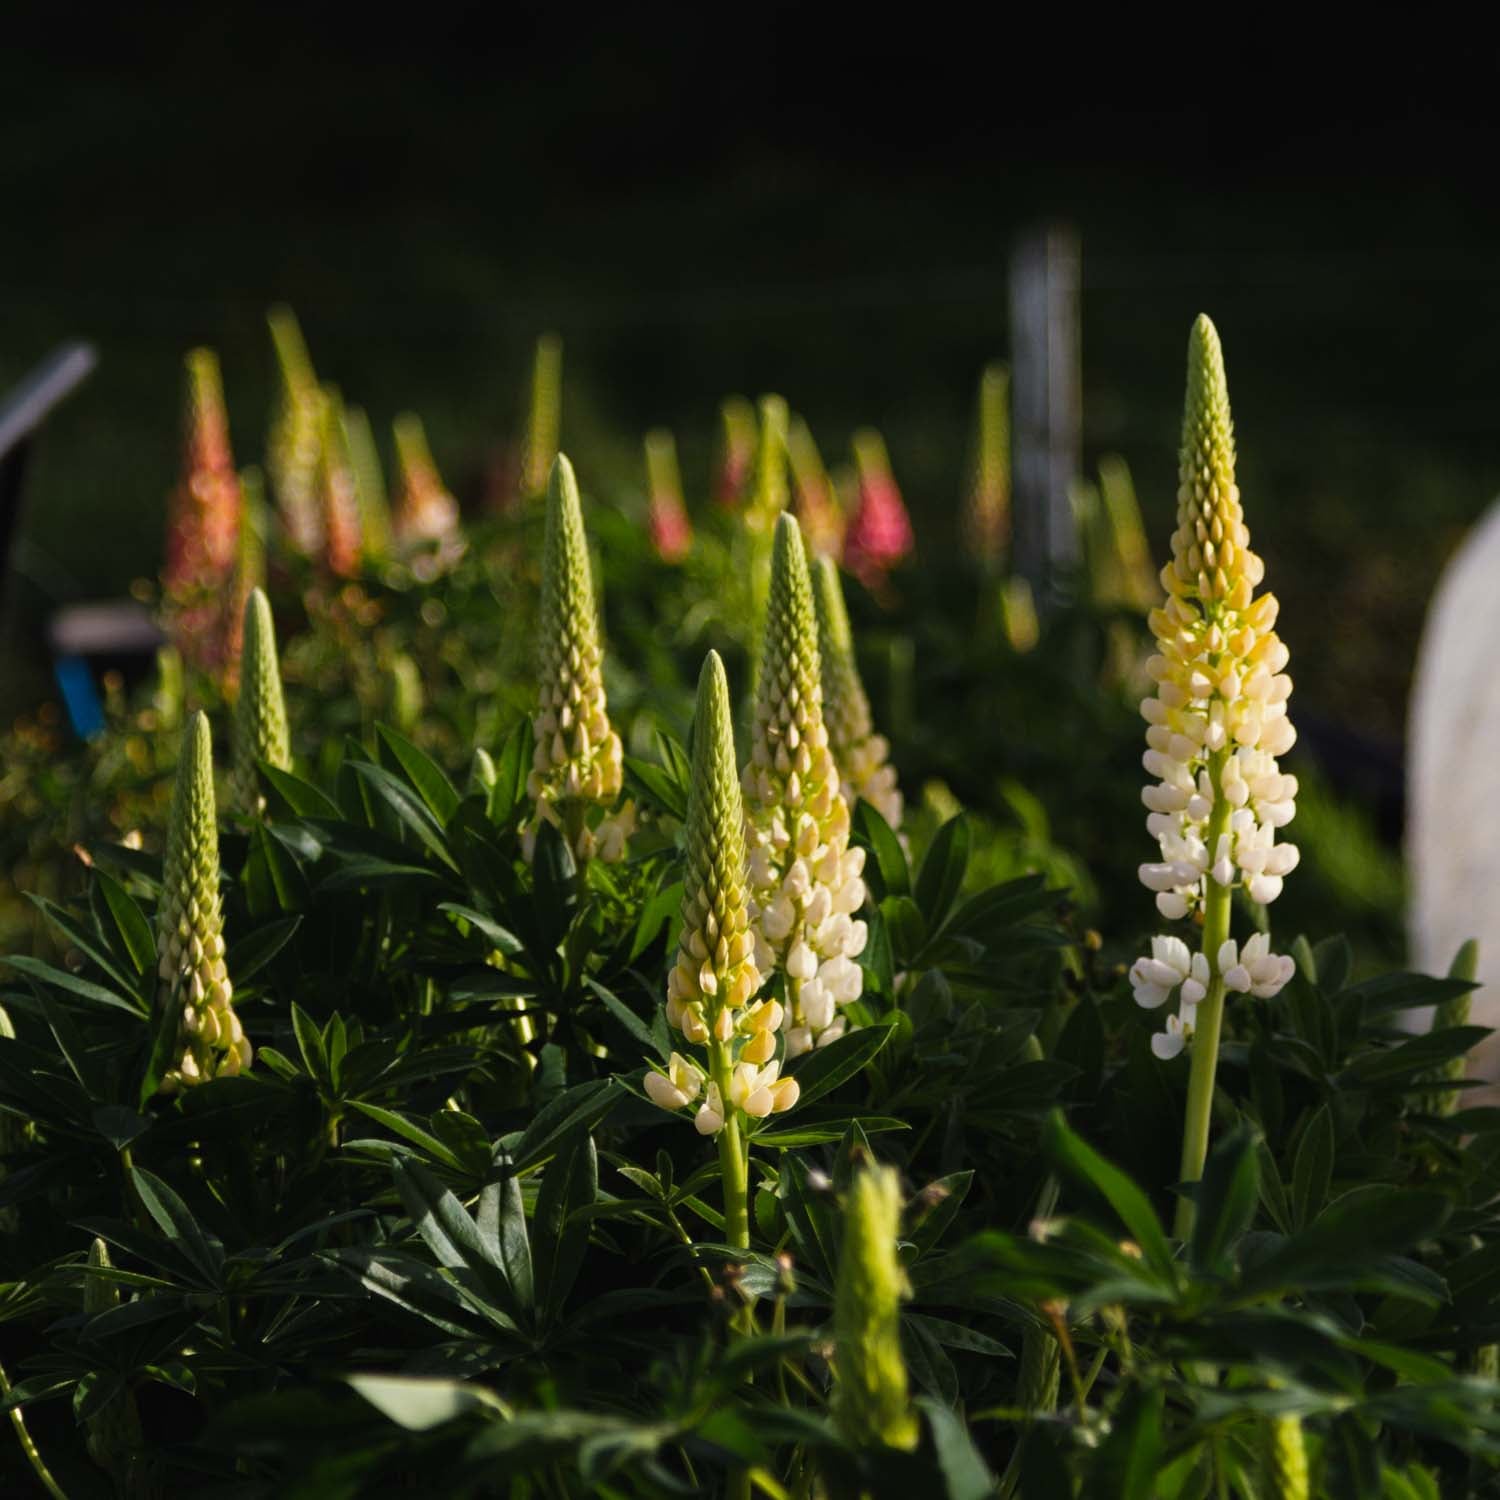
(879, 534)
(578, 760)
(714, 980)
(861, 755)
(544, 419)
(986, 525)
(190, 927)
(369, 486)
(805, 880)
(296, 436)
(249, 573)
(736, 453)
(816, 506)
(203, 519)
(338, 487)
(426, 523)
(871, 1402)
(260, 725)
(1217, 722)
(671, 531)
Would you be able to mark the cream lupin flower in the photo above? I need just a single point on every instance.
(861, 755)
(578, 760)
(712, 984)
(805, 880)
(1218, 719)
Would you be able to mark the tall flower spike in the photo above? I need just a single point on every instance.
(249, 573)
(817, 507)
(714, 980)
(1216, 724)
(338, 489)
(296, 436)
(805, 880)
(260, 726)
(736, 451)
(369, 486)
(671, 531)
(871, 1403)
(861, 755)
(578, 760)
(986, 526)
(203, 520)
(426, 522)
(190, 926)
(544, 417)
(879, 534)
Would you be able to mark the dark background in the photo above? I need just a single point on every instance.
(772, 199)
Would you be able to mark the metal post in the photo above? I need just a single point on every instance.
(1047, 404)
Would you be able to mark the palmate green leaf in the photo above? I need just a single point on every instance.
(889, 875)
(582, 1107)
(934, 1209)
(408, 1129)
(407, 807)
(418, 1403)
(813, 1217)
(117, 968)
(273, 879)
(310, 1044)
(1355, 1231)
(928, 1362)
(1312, 1169)
(1081, 1163)
(824, 1132)
(291, 796)
(1225, 1202)
(511, 765)
(638, 1029)
(1409, 1059)
(130, 922)
(501, 1225)
(1387, 993)
(425, 1293)
(84, 989)
(425, 775)
(965, 1474)
(176, 1221)
(570, 1183)
(821, 1071)
(497, 936)
(254, 951)
(656, 786)
(941, 875)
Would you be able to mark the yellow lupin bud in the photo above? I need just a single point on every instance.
(871, 1404)
(861, 755)
(578, 761)
(805, 880)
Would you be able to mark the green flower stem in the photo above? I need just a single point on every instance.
(29, 1447)
(1210, 1018)
(734, 1165)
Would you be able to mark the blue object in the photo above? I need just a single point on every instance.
(80, 696)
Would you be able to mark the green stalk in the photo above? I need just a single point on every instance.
(734, 1167)
(28, 1445)
(1210, 1018)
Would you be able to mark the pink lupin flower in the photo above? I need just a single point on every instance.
(879, 535)
(671, 531)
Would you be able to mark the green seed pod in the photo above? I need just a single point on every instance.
(871, 1404)
(260, 725)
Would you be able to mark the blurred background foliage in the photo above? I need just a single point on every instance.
(786, 203)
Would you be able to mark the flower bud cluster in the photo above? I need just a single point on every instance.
(260, 724)
(1217, 720)
(861, 755)
(712, 985)
(805, 881)
(190, 927)
(1249, 970)
(879, 535)
(577, 760)
(671, 531)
